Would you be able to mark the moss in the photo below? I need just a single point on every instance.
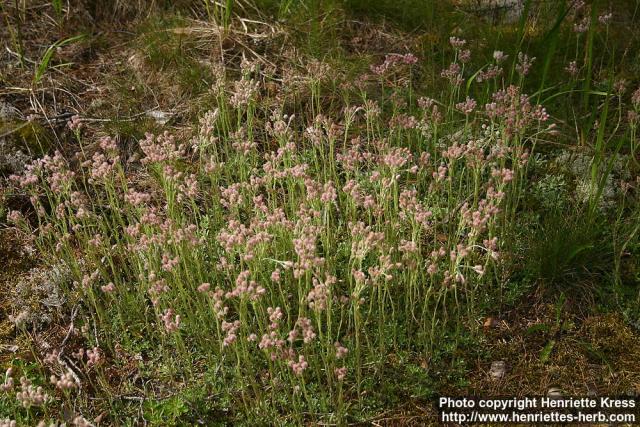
(174, 53)
(133, 130)
(13, 265)
(31, 137)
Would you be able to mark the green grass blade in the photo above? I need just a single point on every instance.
(43, 65)
(551, 40)
(589, 54)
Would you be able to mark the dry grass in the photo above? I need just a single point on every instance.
(593, 354)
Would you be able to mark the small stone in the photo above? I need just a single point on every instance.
(555, 393)
(161, 117)
(498, 370)
(490, 323)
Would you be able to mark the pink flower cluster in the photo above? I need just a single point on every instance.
(357, 194)
(304, 243)
(171, 320)
(396, 157)
(478, 218)
(8, 381)
(412, 208)
(65, 382)
(157, 287)
(456, 42)
(453, 74)
(303, 326)
(299, 367)
(319, 294)
(246, 288)
(231, 330)
(364, 239)
(467, 106)
(524, 64)
(75, 123)
(515, 109)
(161, 148)
(104, 160)
(244, 90)
(490, 73)
(30, 395)
(217, 295)
(341, 351)
(94, 356)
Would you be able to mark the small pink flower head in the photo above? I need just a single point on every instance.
(524, 63)
(635, 98)
(503, 175)
(94, 356)
(231, 329)
(578, 5)
(359, 276)
(81, 421)
(171, 320)
(137, 198)
(465, 56)
(582, 26)
(65, 382)
(168, 263)
(108, 288)
(204, 287)
(306, 327)
(30, 395)
(293, 335)
(276, 275)
(453, 74)
(605, 18)
(620, 86)
(572, 68)
(393, 60)
(15, 217)
(52, 357)
(8, 382)
(275, 315)
(329, 193)
(299, 366)
(341, 351)
(409, 59)
(468, 106)
(479, 270)
(426, 103)
(79, 354)
(75, 124)
(456, 42)
(341, 373)
(499, 56)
